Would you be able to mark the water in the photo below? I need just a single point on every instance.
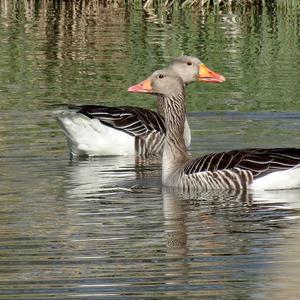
(104, 228)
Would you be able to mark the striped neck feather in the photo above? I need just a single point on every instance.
(160, 105)
(174, 109)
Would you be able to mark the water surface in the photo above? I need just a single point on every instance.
(104, 228)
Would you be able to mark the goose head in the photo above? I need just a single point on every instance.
(162, 82)
(191, 69)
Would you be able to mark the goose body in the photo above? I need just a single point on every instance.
(101, 130)
(257, 168)
(96, 130)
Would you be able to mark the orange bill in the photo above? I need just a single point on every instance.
(142, 87)
(207, 75)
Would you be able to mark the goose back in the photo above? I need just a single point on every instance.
(146, 126)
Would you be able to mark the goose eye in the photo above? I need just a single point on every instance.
(189, 63)
(160, 76)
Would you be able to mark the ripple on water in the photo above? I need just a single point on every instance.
(104, 228)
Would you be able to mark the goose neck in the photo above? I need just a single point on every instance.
(160, 105)
(174, 110)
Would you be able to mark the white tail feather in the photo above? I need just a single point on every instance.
(87, 136)
(278, 180)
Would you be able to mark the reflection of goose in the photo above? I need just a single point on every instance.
(185, 217)
(88, 177)
(175, 229)
(283, 199)
(285, 276)
(196, 238)
(209, 245)
(237, 169)
(101, 130)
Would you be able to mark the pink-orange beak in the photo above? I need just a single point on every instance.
(207, 75)
(142, 87)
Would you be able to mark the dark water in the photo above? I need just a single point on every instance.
(104, 228)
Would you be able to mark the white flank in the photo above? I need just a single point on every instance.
(278, 180)
(90, 137)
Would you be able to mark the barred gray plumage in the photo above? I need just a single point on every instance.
(231, 170)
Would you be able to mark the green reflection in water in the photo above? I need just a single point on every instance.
(60, 54)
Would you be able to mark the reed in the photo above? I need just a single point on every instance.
(200, 5)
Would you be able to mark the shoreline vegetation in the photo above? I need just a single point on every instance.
(203, 6)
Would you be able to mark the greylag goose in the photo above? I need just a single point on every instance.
(94, 130)
(261, 169)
